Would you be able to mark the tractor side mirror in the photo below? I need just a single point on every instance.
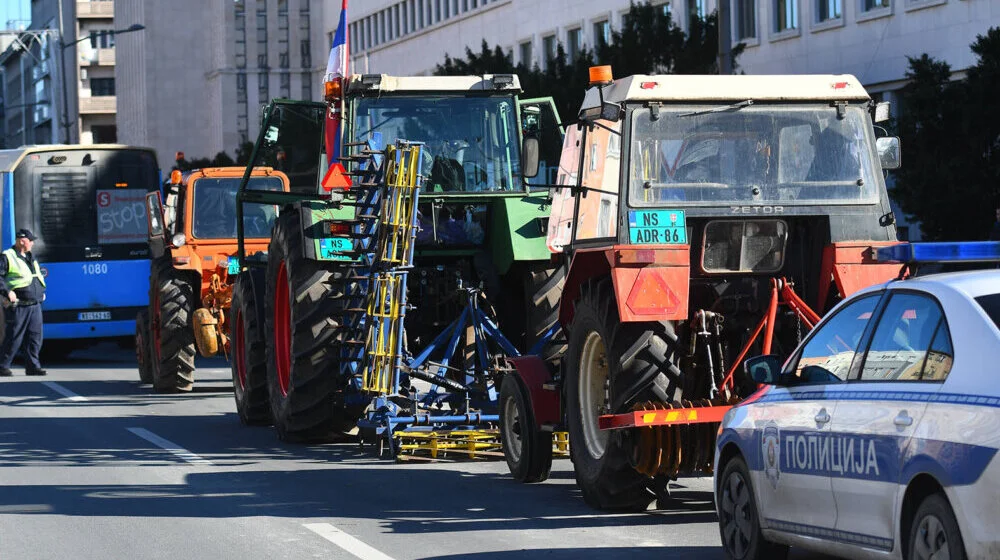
(155, 225)
(881, 112)
(529, 157)
(764, 369)
(888, 152)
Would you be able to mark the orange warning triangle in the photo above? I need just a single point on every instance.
(336, 178)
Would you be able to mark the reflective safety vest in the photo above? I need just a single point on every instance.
(18, 274)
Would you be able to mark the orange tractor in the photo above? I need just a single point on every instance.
(192, 237)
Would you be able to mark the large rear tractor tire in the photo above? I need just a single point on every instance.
(142, 348)
(249, 357)
(608, 367)
(172, 301)
(304, 305)
(543, 288)
(527, 449)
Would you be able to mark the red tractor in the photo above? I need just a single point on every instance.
(700, 218)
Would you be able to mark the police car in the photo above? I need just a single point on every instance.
(878, 437)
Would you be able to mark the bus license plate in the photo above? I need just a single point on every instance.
(657, 227)
(95, 316)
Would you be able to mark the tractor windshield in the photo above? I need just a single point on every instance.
(214, 213)
(787, 154)
(471, 143)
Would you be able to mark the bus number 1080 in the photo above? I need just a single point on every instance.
(95, 268)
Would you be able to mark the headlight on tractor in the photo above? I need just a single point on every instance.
(178, 240)
(744, 246)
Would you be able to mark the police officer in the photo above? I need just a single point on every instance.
(22, 286)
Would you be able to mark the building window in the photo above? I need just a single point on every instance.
(828, 10)
(104, 133)
(548, 50)
(283, 54)
(574, 42)
(696, 9)
(262, 33)
(525, 51)
(602, 33)
(102, 87)
(285, 85)
(746, 20)
(102, 39)
(785, 15)
(869, 5)
(263, 93)
(239, 12)
(666, 9)
(307, 88)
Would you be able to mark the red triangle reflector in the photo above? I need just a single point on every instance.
(336, 178)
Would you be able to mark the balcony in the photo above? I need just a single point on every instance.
(105, 105)
(97, 57)
(95, 9)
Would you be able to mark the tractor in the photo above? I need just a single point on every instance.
(478, 234)
(699, 219)
(192, 238)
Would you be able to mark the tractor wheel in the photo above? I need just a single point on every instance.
(142, 348)
(172, 301)
(303, 308)
(543, 288)
(528, 450)
(607, 366)
(249, 358)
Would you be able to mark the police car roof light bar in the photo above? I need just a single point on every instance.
(939, 252)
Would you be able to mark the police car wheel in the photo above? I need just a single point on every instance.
(739, 521)
(934, 533)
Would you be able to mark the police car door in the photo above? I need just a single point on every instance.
(794, 476)
(879, 408)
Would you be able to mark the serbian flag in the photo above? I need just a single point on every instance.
(336, 67)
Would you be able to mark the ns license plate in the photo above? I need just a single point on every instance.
(333, 249)
(657, 227)
(94, 316)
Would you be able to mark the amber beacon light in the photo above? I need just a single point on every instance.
(600, 75)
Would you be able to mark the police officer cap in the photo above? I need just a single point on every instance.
(25, 233)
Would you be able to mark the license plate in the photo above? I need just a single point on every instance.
(646, 227)
(234, 266)
(332, 249)
(94, 316)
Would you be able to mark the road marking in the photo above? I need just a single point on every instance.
(170, 446)
(63, 391)
(346, 542)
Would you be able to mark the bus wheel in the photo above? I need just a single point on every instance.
(172, 300)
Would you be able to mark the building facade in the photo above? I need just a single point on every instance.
(197, 84)
(72, 42)
(870, 39)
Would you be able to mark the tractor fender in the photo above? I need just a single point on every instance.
(533, 373)
(586, 264)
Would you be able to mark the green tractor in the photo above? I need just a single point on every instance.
(480, 223)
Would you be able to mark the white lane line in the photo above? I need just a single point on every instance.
(346, 542)
(63, 391)
(170, 446)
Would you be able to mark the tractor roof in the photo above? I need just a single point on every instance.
(380, 84)
(725, 88)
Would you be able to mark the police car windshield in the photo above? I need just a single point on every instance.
(787, 154)
(471, 143)
(214, 213)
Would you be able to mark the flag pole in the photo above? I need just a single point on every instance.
(344, 79)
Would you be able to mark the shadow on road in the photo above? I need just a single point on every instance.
(661, 553)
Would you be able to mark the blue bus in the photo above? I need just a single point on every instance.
(86, 206)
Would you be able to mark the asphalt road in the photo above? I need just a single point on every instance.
(93, 465)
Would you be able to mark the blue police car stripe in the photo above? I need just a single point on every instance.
(896, 396)
(831, 534)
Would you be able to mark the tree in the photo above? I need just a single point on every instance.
(950, 135)
(648, 43)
